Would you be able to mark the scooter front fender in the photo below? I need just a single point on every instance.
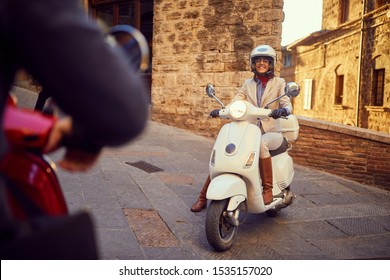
(227, 186)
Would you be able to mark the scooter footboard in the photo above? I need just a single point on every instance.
(226, 186)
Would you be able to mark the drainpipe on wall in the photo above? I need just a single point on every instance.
(360, 64)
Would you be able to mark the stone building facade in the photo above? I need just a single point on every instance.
(196, 42)
(344, 69)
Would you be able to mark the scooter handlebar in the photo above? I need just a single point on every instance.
(282, 117)
(243, 110)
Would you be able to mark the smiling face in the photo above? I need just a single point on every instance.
(262, 65)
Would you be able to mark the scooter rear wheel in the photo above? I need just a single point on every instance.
(219, 232)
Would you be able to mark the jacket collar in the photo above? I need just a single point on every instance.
(263, 78)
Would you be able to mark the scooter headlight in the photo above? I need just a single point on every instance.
(238, 109)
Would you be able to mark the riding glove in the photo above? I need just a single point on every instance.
(277, 113)
(214, 113)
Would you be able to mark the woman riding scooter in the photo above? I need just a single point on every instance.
(260, 90)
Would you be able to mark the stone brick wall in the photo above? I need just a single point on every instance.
(358, 154)
(197, 42)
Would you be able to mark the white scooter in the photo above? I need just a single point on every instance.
(235, 187)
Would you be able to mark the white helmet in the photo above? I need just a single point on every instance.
(262, 51)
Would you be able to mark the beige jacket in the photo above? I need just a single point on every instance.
(274, 88)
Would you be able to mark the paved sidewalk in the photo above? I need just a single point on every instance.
(140, 196)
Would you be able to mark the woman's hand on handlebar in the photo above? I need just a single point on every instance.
(78, 160)
(61, 129)
(278, 113)
(214, 113)
(75, 159)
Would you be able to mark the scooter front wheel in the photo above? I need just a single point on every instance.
(219, 232)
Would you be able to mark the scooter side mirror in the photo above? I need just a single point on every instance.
(132, 42)
(210, 91)
(292, 89)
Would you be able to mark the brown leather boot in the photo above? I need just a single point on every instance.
(201, 203)
(266, 178)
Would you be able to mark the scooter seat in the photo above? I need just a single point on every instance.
(282, 148)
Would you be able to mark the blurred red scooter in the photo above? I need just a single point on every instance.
(27, 132)
(34, 221)
(25, 164)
